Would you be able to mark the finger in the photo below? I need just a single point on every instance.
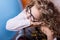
(37, 23)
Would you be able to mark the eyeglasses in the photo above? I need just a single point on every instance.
(31, 15)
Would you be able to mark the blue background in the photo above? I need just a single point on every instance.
(8, 9)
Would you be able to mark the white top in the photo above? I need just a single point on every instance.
(19, 22)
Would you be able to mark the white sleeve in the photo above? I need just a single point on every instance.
(17, 23)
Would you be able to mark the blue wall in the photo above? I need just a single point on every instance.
(8, 9)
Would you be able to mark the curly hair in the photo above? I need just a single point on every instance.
(50, 14)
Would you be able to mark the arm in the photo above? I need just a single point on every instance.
(18, 22)
(16, 25)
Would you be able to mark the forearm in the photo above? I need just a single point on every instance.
(16, 25)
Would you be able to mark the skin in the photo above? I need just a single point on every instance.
(48, 32)
(44, 29)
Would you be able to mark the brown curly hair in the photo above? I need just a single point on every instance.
(50, 14)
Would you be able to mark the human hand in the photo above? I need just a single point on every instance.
(35, 24)
(47, 32)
